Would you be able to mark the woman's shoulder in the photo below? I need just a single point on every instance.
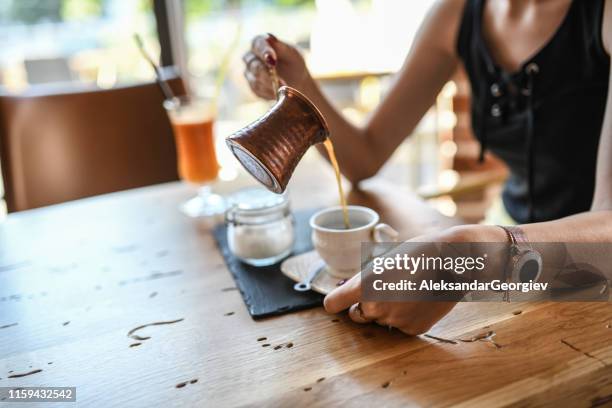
(445, 17)
(452, 10)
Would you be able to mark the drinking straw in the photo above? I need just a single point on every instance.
(163, 85)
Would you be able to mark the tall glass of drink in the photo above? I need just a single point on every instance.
(192, 122)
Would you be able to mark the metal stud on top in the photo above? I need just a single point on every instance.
(532, 68)
(496, 90)
(495, 111)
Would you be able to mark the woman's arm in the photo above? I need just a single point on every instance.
(362, 151)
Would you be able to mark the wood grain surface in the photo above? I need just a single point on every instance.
(75, 279)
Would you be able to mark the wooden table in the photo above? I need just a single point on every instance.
(75, 278)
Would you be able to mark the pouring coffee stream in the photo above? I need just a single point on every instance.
(271, 147)
(329, 146)
(275, 81)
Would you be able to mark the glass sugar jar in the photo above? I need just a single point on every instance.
(260, 226)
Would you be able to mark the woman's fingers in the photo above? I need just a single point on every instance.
(258, 76)
(248, 58)
(262, 48)
(344, 296)
(278, 62)
(255, 65)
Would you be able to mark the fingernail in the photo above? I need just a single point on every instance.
(270, 60)
(272, 37)
(341, 282)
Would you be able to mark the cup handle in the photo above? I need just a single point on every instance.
(384, 233)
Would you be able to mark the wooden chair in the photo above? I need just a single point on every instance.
(60, 146)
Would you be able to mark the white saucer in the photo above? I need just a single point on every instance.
(298, 267)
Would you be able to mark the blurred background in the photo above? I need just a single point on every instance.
(353, 47)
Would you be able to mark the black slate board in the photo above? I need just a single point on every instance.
(265, 290)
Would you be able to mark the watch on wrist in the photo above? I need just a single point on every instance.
(524, 262)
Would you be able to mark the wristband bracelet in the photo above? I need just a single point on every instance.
(524, 262)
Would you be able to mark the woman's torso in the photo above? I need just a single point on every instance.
(544, 120)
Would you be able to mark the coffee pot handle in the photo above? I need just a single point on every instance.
(384, 233)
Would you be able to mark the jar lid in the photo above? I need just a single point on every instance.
(256, 199)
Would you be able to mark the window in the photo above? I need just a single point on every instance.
(74, 41)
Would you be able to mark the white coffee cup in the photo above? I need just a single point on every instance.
(341, 248)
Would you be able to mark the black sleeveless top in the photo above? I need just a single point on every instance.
(543, 120)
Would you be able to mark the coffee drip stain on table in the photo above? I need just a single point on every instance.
(183, 384)
(152, 276)
(440, 339)
(486, 336)
(140, 338)
(319, 380)
(25, 374)
(287, 344)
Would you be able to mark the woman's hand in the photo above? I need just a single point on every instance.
(412, 318)
(268, 53)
